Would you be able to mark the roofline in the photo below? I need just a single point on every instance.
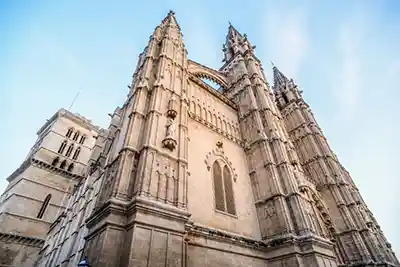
(77, 118)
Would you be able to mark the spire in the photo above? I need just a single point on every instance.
(279, 78)
(232, 32)
(235, 42)
(168, 27)
(170, 20)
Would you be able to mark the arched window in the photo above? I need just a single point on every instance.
(55, 161)
(83, 137)
(44, 206)
(62, 147)
(63, 163)
(76, 136)
(69, 132)
(69, 151)
(71, 167)
(76, 154)
(223, 190)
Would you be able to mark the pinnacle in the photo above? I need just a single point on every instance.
(170, 20)
(279, 77)
(232, 31)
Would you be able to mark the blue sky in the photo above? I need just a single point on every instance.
(345, 56)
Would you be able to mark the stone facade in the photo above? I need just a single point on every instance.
(189, 175)
(39, 189)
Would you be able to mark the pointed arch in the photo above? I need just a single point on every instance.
(203, 113)
(44, 206)
(198, 110)
(193, 106)
(218, 154)
(229, 128)
(214, 120)
(224, 127)
(55, 161)
(70, 167)
(63, 163)
(223, 187)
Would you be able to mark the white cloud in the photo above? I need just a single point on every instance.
(288, 38)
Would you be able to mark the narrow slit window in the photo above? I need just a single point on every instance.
(62, 147)
(69, 151)
(44, 206)
(69, 132)
(76, 136)
(76, 153)
(83, 137)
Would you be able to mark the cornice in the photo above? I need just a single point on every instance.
(21, 168)
(43, 165)
(23, 240)
(76, 118)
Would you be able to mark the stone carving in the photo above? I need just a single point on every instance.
(269, 210)
(218, 153)
(169, 140)
(172, 108)
(220, 144)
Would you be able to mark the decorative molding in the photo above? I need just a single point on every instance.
(43, 165)
(233, 137)
(218, 153)
(22, 240)
(195, 229)
(214, 92)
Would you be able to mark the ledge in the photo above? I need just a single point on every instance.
(23, 240)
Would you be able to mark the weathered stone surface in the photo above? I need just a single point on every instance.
(187, 175)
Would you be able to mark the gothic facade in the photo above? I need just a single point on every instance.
(189, 175)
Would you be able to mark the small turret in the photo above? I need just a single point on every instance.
(286, 91)
(235, 42)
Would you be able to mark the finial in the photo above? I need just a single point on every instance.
(230, 24)
(171, 12)
(272, 63)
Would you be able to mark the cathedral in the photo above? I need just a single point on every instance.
(190, 175)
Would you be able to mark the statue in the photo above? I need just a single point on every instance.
(170, 129)
(169, 140)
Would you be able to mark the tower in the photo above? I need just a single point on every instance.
(193, 176)
(357, 234)
(38, 189)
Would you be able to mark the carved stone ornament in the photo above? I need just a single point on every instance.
(220, 144)
(172, 108)
(218, 153)
(169, 140)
